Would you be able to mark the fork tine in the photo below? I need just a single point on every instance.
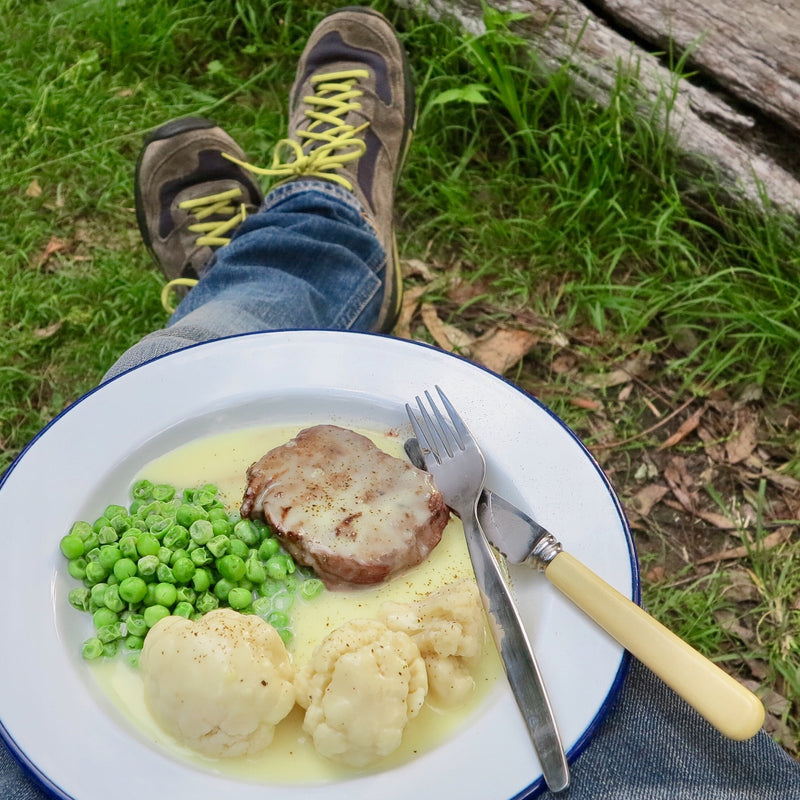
(458, 423)
(422, 434)
(438, 436)
(444, 428)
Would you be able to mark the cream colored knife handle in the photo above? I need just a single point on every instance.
(727, 705)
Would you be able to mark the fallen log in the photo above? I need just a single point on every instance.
(737, 116)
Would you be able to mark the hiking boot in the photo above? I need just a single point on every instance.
(189, 199)
(351, 117)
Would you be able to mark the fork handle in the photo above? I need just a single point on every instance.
(519, 661)
(726, 704)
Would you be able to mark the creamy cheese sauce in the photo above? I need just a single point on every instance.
(291, 758)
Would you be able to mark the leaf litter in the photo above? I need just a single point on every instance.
(707, 479)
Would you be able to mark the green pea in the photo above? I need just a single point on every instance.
(286, 635)
(112, 599)
(79, 598)
(77, 568)
(114, 510)
(221, 527)
(142, 489)
(92, 649)
(311, 588)
(218, 546)
(124, 568)
(147, 565)
(109, 633)
(132, 589)
(262, 606)
(163, 492)
(133, 642)
(278, 619)
(120, 523)
(95, 572)
(269, 587)
(200, 556)
(155, 613)
(91, 541)
(189, 513)
(81, 529)
(239, 598)
(231, 567)
(135, 625)
(165, 595)
(107, 534)
(245, 531)
(176, 537)
(201, 531)
(276, 567)
(104, 616)
(184, 569)
(238, 548)
(127, 546)
(108, 556)
(254, 570)
(72, 546)
(98, 591)
(110, 649)
(222, 588)
(186, 595)
(183, 609)
(164, 574)
(268, 548)
(206, 602)
(100, 522)
(147, 545)
(202, 579)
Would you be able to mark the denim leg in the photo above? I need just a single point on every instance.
(307, 259)
(653, 746)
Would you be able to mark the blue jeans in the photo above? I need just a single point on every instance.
(652, 746)
(269, 276)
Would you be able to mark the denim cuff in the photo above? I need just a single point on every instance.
(284, 191)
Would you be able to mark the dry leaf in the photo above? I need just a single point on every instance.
(774, 539)
(448, 337)
(644, 500)
(502, 348)
(729, 621)
(34, 190)
(686, 427)
(55, 245)
(402, 328)
(717, 520)
(584, 402)
(744, 439)
(630, 369)
(713, 448)
(50, 330)
(414, 268)
(680, 482)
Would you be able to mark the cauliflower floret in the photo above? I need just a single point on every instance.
(360, 688)
(220, 684)
(448, 628)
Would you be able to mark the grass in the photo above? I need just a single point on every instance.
(578, 212)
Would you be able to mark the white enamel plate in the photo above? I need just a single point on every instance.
(60, 727)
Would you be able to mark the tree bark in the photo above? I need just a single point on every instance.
(738, 112)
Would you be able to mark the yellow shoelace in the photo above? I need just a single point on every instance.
(212, 232)
(328, 142)
(331, 143)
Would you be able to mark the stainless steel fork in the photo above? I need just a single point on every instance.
(458, 469)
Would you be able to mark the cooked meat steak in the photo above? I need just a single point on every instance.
(343, 507)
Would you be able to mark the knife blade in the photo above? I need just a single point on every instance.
(720, 699)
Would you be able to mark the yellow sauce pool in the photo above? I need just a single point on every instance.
(291, 758)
